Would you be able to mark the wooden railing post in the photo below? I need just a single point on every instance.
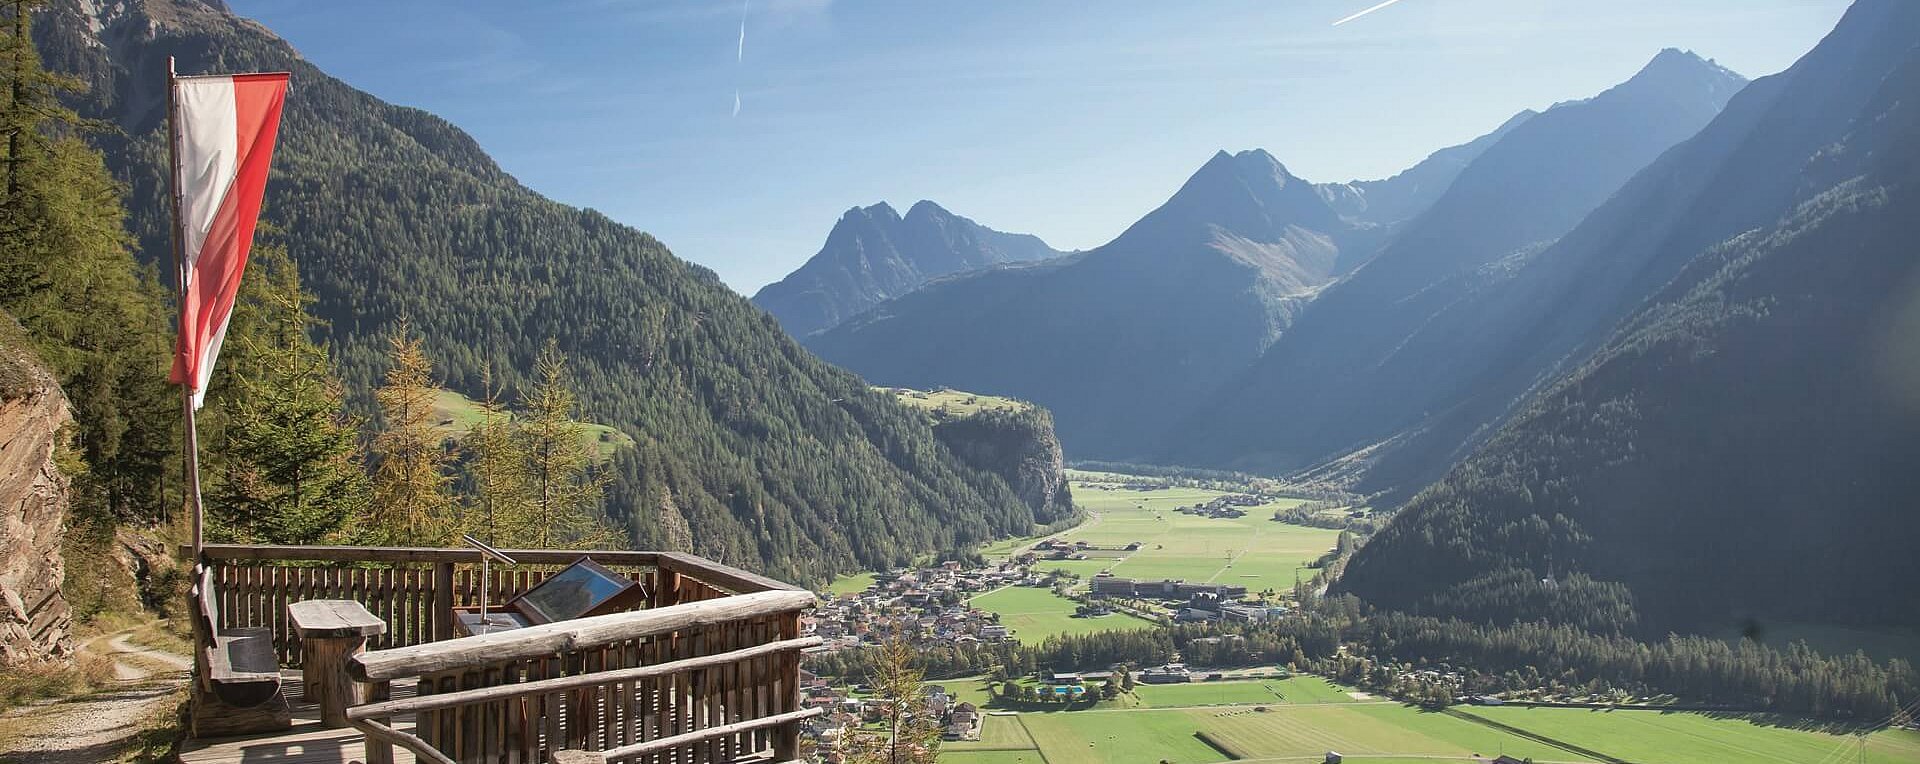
(442, 601)
(786, 737)
(667, 588)
(380, 750)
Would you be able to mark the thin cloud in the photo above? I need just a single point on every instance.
(1337, 23)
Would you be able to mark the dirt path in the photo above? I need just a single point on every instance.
(98, 726)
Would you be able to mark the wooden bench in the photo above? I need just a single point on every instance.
(241, 667)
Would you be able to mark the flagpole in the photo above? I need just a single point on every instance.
(190, 458)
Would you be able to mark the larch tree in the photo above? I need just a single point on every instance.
(912, 733)
(412, 496)
(567, 488)
(499, 495)
(67, 275)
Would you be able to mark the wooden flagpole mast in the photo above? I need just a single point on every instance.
(190, 458)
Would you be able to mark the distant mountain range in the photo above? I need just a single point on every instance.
(1117, 339)
(873, 254)
(1150, 347)
(1372, 377)
(1717, 379)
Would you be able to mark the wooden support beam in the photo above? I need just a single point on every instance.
(723, 576)
(656, 745)
(567, 636)
(427, 554)
(537, 687)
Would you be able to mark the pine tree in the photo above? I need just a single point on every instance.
(289, 467)
(499, 496)
(412, 499)
(66, 274)
(567, 488)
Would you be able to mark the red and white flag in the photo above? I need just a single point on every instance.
(223, 133)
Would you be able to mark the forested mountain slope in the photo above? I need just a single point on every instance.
(1357, 369)
(1741, 449)
(776, 460)
(874, 254)
(1116, 340)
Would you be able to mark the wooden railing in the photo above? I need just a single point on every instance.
(707, 671)
(415, 589)
(715, 680)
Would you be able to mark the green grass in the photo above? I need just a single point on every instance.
(1096, 737)
(950, 753)
(956, 402)
(1251, 551)
(1299, 689)
(1654, 737)
(1035, 614)
(970, 689)
(1364, 732)
(454, 414)
(852, 583)
(997, 733)
(1084, 568)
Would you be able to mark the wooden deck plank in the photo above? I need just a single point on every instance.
(308, 742)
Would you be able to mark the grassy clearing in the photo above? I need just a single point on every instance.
(852, 583)
(956, 402)
(1035, 614)
(1654, 737)
(1299, 689)
(1251, 551)
(454, 414)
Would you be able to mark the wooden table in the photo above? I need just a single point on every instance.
(331, 632)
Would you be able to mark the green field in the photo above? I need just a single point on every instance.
(852, 583)
(956, 402)
(1251, 551)
(454, 414)
(1654, 737)
(1299, 689)
(1035, 614)
(1307, 716)
(1362, 731)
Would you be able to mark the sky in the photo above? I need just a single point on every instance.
(737, 133)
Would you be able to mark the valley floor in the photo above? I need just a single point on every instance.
(1303, 718)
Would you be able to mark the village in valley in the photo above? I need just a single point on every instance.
(935, 605)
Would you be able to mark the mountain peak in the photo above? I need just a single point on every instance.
(1682, 73)
(926, 208)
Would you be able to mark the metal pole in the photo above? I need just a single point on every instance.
(190, 457)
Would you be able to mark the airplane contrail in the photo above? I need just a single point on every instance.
(1337, 23)
(740, 56)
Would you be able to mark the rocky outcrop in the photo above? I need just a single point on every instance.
(1020, 447)
(34, 618)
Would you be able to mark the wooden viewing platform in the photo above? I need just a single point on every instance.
(705, 669)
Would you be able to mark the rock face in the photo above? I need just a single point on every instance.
(1021, 448)
(34, 617)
